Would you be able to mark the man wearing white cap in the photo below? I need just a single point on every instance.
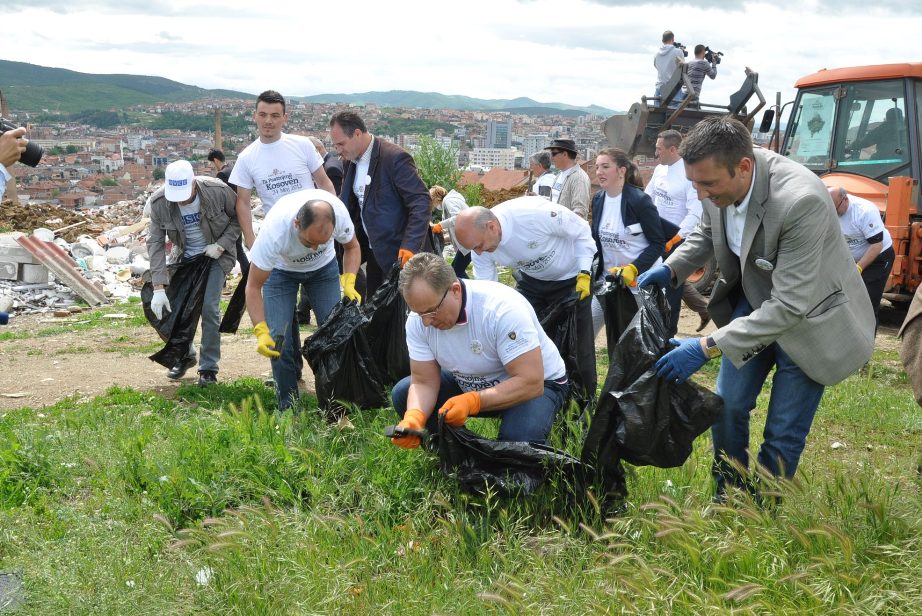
(198, 215)
(552, 247)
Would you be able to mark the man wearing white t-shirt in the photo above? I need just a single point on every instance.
(868, 241)
(540, 167)
(552, 248)
(295, 248)
(274, 165)
(476, 348)
(677, 201)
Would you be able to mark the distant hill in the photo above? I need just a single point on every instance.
(434, 100)
(29, 87)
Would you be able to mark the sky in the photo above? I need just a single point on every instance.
(579, 52)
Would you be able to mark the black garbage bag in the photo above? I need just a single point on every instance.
(186, 293)
(558, 320)
(343, 368)
(387, 329)
(507, 468)
(618, 306)
(641, 418)
(235, 307)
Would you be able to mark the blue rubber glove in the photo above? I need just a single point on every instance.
(682, 362)
(660, 275)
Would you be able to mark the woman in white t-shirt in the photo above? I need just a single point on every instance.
(450, 203)
(627, 232)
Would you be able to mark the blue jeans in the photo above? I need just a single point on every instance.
(279, 297)
(791, 407)
(529, 421)
(210, 342)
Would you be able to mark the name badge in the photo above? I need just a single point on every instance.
(764, 265)
(476, 347)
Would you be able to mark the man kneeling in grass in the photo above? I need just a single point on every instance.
(476, 348)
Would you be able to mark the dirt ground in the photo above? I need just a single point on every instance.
(38, 371)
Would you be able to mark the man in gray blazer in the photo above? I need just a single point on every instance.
(789, 295)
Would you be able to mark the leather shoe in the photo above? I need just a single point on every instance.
(179, 370)
(705, 319)
(207, 377)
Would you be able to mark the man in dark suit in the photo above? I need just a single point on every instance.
(789, 296)
(386, 197)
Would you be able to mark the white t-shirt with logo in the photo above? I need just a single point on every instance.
(544, 240)
(675, 197)
(278, 168)
(862, 221)
(500, 326)
(278, 246)
(191, 217)
(620, 245)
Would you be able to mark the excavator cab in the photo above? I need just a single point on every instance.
(858, 128)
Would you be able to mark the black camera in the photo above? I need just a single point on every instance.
(682, 47)
(33, 153)
(713, 56)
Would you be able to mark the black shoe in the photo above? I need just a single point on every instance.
(207, 377)
(705, 319)
(179, 370)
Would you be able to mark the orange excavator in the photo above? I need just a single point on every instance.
(858, 128)
(855, 127)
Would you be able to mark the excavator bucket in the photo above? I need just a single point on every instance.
(635, 131)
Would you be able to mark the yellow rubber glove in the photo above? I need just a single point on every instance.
(582, 285)
(403, 255)
(347, 281)
(264, 342)
(628, 273)
(675, 240)
(860, 269)
(414, 419)
(457, 409)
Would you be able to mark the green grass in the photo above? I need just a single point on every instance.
(116, 505)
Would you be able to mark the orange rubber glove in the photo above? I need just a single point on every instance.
(437, 228)
(457, 409)
(414, 420)
(403, 255)
(628, 273)
(675, 240)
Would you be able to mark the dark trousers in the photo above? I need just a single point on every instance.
(542, 294)
(875, 278)
(460, 263)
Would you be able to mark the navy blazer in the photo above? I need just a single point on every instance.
(636, 206)
(396, 208)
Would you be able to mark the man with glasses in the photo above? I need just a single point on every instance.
(295, 249)
(572, 186)
(868, 241)
(476, 348)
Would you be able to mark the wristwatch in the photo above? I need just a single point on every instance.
(712, 349)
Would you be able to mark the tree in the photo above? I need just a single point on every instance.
(159, 173)
(436, 163)
(72, 149)
(108, 182)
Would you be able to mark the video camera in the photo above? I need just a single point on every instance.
(713, 56)
(33, 153)
(682, 47)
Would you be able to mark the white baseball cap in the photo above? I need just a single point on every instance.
(179, 176)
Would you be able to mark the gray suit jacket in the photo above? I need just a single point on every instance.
(812, 301)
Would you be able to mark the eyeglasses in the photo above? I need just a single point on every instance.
(555, 152)
(430, 315)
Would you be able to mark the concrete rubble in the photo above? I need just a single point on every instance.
(107, 244)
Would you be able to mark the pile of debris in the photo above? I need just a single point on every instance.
(489, 198)
(55, 256)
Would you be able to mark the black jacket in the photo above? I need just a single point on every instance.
(636, 206)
